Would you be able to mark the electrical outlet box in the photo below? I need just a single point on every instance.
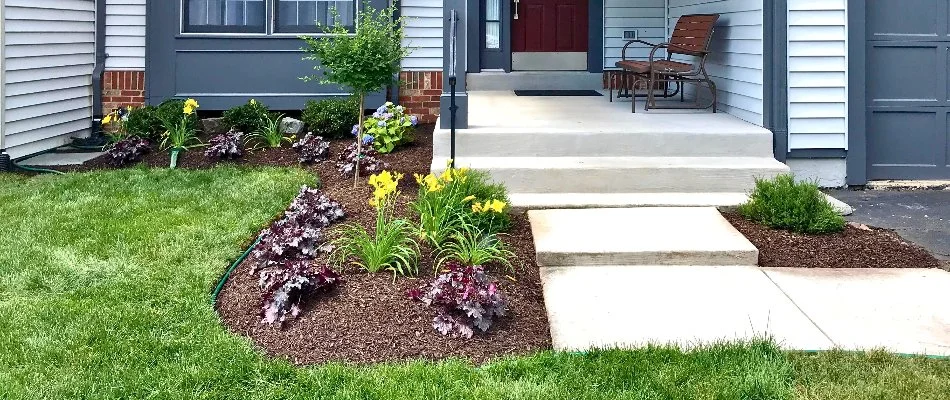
(631, 34)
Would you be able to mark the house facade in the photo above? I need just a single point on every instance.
(852, 90)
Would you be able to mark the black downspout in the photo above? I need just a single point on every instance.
(99, 70)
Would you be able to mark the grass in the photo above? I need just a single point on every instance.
(104, 294)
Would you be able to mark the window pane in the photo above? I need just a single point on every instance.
(492, 10)
(311, 16)
(492, 34)
(224, 16)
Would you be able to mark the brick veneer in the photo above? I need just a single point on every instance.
(122, 88)
(419, 93)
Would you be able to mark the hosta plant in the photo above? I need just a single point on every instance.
(390, 127)
(471, 246)
(286, 285)
(466, 299)
(390, 245)
(312, 148)
(126, 151)
(225, 145)
(270, 133)
(362, 157)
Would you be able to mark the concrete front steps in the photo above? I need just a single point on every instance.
(618, 165)
(631, 277)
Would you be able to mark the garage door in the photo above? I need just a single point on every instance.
(908, 93)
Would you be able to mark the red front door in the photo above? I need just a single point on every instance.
(550, 26)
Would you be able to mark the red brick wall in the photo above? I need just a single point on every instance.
(420, 92)
(122, 88)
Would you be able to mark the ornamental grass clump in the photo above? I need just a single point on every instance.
(390, 246)
(458, 197)
(783, 203)
(471, 246)
(365, 61)
(312, 148)
(270, 133)
(389, 127)
(466, 300)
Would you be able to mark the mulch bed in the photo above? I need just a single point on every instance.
(858, 246)
(369, 318)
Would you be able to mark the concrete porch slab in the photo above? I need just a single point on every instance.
(638, 236)
(901, 310)
(629, 306)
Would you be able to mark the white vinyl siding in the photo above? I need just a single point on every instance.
(817, 78)
(423, 34)
(49, 58)
(736, 62)
(647, 17)
(125, 35)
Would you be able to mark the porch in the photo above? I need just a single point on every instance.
(566, 152)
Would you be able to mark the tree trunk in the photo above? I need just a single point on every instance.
(359, 144)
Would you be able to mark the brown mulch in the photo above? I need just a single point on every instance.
(858, 246)
(369, 318)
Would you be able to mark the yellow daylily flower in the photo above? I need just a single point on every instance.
(477, 207)
(497, 206)
(468, 199)
(191, 103)
(107, 119)
(189, 110)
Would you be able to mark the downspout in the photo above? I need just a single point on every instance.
(100, 67)
(5, 164)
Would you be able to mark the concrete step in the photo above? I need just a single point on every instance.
(733, 141)
(534, 80)
(541, 201)
(638, 236)
(623, 174)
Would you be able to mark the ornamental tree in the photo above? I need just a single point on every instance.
(364, 62)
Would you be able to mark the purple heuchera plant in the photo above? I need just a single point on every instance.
(369, 163)
(312, 148)
(286, 285)
(312, 207)
(225, 145)
(466, 300)
(127, 151)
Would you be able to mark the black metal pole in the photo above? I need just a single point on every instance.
(5, 164)
(452, 109)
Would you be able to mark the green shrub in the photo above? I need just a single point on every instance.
(247, 118)
(331, 118)
(390, 246)
(169, 112)
(446, 203)
(782, 203)
(144, 122)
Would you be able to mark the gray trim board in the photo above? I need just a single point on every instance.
(775, 90)
(595, 46)
(857, 111)
(817, 153)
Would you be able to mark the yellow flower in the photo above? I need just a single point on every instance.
(432, 183)
(189, 110)
(107, 119)
(477, 207)
(419, 178)
(191, 103)
(468, 199)
(446, 176)
(384, 184)
(497, 206)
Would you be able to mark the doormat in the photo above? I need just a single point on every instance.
(571, 93)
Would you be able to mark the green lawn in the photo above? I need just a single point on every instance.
(104, 294)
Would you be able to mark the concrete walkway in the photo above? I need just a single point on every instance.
(601, 294)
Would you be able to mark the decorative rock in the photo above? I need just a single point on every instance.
(213, 126)
(291, 126)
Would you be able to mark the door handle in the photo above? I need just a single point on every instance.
(516, 8)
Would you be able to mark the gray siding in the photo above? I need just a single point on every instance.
(647, 17)
(125, 34)
(423, 34)
(50, 52)
(736, 63)
(817, 78)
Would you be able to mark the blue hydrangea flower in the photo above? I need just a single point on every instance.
(368, 139)
(386, 116)
(399, 109)
(381, 123)
(414, 120)
(356, 130)
(381, 109)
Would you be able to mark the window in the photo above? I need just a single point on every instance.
(492, 24)
(309, 16)
(224, 16)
